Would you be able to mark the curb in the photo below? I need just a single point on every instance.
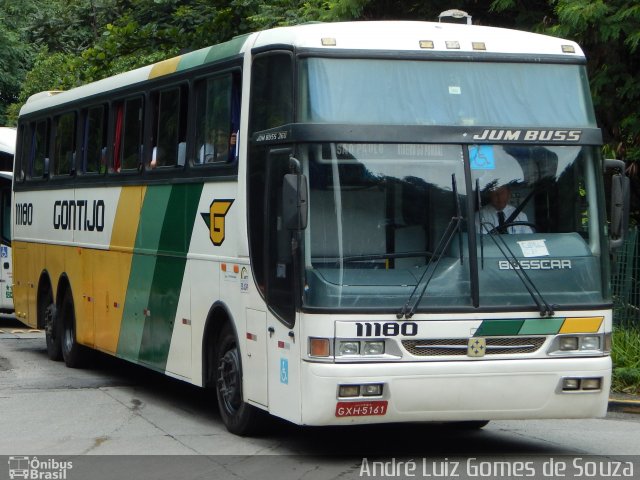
(624, 405)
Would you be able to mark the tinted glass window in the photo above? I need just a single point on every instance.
(64, 154)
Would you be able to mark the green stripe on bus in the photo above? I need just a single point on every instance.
(143, 266)
(168, 276)
(152, 214)
(492, 328)
(212, 54)
(541, 326)
(137, 299)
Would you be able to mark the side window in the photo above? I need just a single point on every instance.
(127, 149)
(169, 128)
(40, 149)
(95, 140)
(65, 144)
(217, 119)
(271, 91)
(5, 213)
(25, 134)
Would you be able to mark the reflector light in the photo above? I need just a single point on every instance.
(372, 390)
(319, 347)
(349, 391)
(568, 49)
(478, 46)
(453, 44)
(328, 42)
(570, 384)
(426, 44)
(591, 383)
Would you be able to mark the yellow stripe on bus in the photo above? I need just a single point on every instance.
(114, 266)
(125, 225)
(581, 325)
(164, 68)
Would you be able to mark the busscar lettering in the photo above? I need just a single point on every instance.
(504, 135)
(551, 264)
(79, 215)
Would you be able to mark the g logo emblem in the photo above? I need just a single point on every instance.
(215, 220)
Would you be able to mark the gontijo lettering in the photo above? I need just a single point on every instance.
(82, 215)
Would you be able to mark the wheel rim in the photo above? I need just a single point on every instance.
(229, 381)
(69, 335)
(48, 322)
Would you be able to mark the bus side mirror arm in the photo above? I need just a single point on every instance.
(295, 203)
(620, 191)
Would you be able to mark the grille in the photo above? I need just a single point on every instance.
(440, 347)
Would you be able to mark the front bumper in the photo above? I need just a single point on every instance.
(458, 391)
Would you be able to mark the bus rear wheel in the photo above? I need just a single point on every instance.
(51, 329)
(238, 416)
(73, 353)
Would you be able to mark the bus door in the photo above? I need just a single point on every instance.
(6, 270)
(283, 346)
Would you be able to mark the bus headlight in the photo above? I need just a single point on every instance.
(578, 344)
(590, 343)
(568, 343)
(373, 348)
(348, 348)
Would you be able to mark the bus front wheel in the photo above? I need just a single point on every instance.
(238, 416)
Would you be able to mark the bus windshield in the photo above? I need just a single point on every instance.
(378, 213)
(448, 93)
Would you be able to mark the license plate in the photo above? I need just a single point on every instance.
(361, 409)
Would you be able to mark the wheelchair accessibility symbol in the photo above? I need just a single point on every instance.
(481, 157)
(284, 371)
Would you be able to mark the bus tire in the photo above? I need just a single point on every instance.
(238, 416)
(469, 424)
(73, 353)
(51, 330)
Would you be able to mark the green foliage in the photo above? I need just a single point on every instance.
(626, 360)
(91, 39)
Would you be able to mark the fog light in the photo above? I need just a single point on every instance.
(568, 343)
(373, 348)
(319, 347)
(349, 391)
(591, 383)
(571, 384)
(590, 343)
(372, 390)
(349, 348)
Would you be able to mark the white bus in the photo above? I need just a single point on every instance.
(7, 150)
(300, 219)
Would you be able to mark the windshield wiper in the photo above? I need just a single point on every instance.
(384, 256)
(453, 227)
(546, 310)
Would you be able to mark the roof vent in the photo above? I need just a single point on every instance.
(455, 16)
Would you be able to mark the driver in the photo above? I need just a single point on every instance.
(497, 212)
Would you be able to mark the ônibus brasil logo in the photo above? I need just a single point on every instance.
(33, 468)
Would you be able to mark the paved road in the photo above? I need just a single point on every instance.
(115, 408)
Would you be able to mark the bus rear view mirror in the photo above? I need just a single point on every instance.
(294, 201)
(619, 204)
